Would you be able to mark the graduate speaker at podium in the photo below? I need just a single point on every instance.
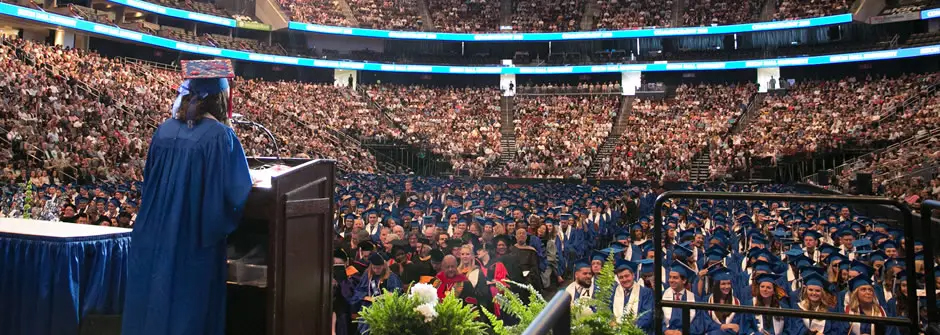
(198, 197)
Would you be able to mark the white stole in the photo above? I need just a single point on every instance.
(668, 295)
(628, 253)
(734, 302)
(632, 304)
(855, 328)
(572, 290)
(812, 324)
(777, 324)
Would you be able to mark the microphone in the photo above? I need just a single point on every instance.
(242, 120)
(239, 119)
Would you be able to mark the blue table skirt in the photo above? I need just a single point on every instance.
(48, 284)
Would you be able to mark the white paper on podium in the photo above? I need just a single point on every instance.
(262, 177)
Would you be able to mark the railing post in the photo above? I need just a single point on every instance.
(686, 321)
(563, 323)
(929, 257)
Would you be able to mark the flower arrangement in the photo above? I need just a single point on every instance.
(419, 313)
(28, 201)
(598, 322)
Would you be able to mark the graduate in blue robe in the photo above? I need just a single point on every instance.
(769, 295)
(716, 323)
(801, 326)
(871, 307)
(378, 278)
(625, 303)
(679, 279)
(196, 181)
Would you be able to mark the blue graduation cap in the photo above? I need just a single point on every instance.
(845, 232)
(715, 254)
(565, 217)
(623, 264)
(616, 247)
(683, 270)
(805, 270)
(862, 244)
(581, 263)
(793, 252)
(812, 233)
(836, 258)
(893, 263)
(814, 279)
(859, 281)
(599, 255)
(682, 250)
(646, 265)
(767, 278)
(720, 273)
(349, 216)
(799, 260)
(760, 239)
(763, 266)
(646, 246)
(877, 255)
(622, 235)
(827, 248)
(862, 268)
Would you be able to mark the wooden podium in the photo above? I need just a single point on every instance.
(291, 223)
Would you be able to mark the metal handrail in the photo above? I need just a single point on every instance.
(913, 139)
(658, 303)
(555, 317)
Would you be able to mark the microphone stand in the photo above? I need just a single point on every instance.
(244, 122)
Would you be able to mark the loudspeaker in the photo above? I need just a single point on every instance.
(100, 325)
(822, 178)
(863, 183)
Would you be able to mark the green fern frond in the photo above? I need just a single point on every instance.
(495, 322)
(456, 318)
(393, 313)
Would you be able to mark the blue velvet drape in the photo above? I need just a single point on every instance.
(48, 284)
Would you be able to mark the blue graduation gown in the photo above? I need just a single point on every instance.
(372, 287)
(796, 326)
(697, 326)
(644, 310)
(710, 326)
(195, 183)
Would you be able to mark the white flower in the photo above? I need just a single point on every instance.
(428, 311)
(426, 293)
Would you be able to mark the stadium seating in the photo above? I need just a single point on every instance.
(460, 124)
(558, 135)
(662, 136)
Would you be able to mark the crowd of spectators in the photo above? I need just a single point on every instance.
(90, 117)
(387, 14)
(465, 16)
(325, 12)
(909, 171)
(462, 124)
(800, 9)
(820, 115)
(553, 88)
(622, 14)
(721, 12)
(662, 136)
(547, 16)
(557, 136)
